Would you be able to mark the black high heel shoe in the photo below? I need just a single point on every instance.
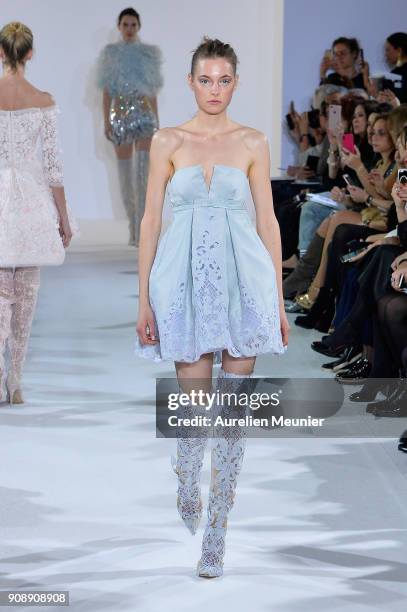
(370, 390)
(336, 353)
(357, 373)
(394, 406)
(403, 442)
(394, 386)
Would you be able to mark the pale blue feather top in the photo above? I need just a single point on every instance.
(128, 67)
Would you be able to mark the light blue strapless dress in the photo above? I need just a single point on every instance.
(212, 284)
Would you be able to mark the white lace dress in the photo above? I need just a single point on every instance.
(30, 164)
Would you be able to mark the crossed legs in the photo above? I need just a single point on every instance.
(327, 229)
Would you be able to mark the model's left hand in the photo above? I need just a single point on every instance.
(285, 327)
(65, 232)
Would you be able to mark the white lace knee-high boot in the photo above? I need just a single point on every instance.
(142, 163)
(126, 180)
(26, 285)
(6, 305)
(227, 457)
(188, 465)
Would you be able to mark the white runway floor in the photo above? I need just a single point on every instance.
(88, 496)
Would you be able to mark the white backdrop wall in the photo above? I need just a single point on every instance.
(310, 26)
(69, 36)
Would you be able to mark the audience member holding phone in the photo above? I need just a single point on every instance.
(356, 135)
(396, 56)
(350, 69)
(378, 183)
(371, 182)
(308, 130)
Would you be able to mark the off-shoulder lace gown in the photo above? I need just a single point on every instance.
(29, 165)
(212, 285)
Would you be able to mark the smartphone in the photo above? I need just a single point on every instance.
(348, 180)
(402, 284)
(313, 118)
(291, 108)
(354, 247)
(402, 176)
(335, 117)
(328, 53)
(312, 162)
(351, 255)
(362, 57)
(290, 122)
(379, 82)
(348, 142)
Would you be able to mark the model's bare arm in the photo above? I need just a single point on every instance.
(266, 221)
(53, 167)
(106, 109)
(164, 142)
(154, 106)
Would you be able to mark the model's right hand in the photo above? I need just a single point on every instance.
(65, 231)
(284, 327)
(146, 326)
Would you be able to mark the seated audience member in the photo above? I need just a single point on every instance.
(344, 59)
(396, 57)
(312, 232)
(373, 295)
(375, 196)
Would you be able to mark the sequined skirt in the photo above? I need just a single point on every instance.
(132, 118)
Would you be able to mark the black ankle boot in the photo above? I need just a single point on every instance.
(396, 406)
(394, 386)
(357, 373)
(321, 314)
(369, 391)
(403, 442)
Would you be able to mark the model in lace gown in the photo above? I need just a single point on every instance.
(34, 228)
(212, 288)
(129, 73)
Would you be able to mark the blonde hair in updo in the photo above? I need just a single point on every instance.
(16, 40)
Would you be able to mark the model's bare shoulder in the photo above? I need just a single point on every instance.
(164, 143)
(254, 140)
(45, 99)
(169, 138)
